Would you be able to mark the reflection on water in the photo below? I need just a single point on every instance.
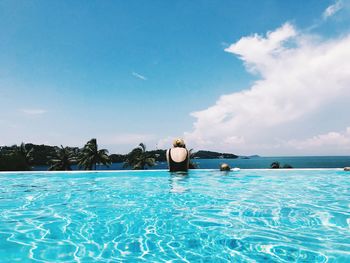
(177, 182)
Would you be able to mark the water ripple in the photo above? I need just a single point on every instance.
(204, 216)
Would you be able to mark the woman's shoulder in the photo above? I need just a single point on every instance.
(180, 149)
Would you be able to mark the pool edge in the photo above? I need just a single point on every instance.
(166, 170)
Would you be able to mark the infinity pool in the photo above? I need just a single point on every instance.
(155, 216)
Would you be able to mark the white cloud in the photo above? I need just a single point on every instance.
(258, 51)
(332, 9)
(139, 76)
(33, 111)
(300, 75)
(165, 143)
(331, 141)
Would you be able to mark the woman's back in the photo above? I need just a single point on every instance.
(177, 159)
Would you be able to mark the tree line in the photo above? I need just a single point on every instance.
(25, 156)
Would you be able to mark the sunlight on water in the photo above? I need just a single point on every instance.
(208, 216)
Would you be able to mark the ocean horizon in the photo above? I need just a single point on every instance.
(251, 163)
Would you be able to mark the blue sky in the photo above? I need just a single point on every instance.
(132, 71)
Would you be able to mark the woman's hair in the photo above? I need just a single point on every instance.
(179, 143)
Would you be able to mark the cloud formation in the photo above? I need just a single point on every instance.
(33, 111)
(337, 140)
(139, 76)
(299, 75)
(332, 9)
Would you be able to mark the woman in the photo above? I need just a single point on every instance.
(178, 157)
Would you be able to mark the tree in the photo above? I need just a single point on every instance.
(13, 162)
(62, 160)
(192, 165)
(26, 154)
(90, 156)
(139, 158)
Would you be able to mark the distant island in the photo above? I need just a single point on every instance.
(213, 155)
(249, 157)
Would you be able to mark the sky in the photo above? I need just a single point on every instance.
(246, 77)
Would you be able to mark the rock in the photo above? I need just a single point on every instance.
(347, 169)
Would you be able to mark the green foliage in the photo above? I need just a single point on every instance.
(25, 152)
(16, 158)
(90, 156)
(13, 162)
(139, 158)
(117, 158)
(158, 155)
(63, 159)
(213, 155)
(40, 154)
(192, 164)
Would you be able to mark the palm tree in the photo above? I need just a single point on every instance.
(138, 158)
(26, 154)
(63, 159)
(90, 156)
(192, 165)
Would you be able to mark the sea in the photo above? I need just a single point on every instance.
(248, 163)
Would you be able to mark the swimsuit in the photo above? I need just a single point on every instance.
(178, 166)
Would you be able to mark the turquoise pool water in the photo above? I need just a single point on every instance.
(155, 216)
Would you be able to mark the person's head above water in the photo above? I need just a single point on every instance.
(225, 167)
(179, 143)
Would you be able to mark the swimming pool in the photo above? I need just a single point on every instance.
(205, 216)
